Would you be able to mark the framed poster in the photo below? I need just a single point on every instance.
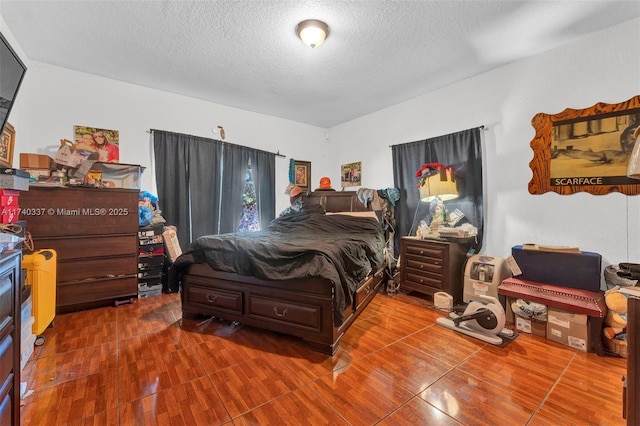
(351, 174)
(585, 150)
(103, 141)
(7, 141)
(302, 174)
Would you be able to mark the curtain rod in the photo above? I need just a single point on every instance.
(277, 154)
(479, 127)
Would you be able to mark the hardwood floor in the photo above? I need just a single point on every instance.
(140, 364)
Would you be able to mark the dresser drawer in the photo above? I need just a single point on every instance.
(79, 247)
(6, 358)
(435, 252)
(76, 293)
(6, 304)
(279, 311)
(425, 280)
(94, 268)
(228, 300)
(420, 265)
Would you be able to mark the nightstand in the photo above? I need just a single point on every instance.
(429, 266)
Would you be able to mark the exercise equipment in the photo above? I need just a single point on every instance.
(483, 318)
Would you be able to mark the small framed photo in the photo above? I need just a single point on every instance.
(351, 174)
(7, 141)
(302, 174)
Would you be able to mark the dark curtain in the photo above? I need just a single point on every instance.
(200, 183)
(186, 174)
(463, 152)
(236, 159)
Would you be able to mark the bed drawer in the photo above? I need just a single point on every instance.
(215, 298)
(369, 286)
(294, 314)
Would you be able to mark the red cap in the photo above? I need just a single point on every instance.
(325, 183)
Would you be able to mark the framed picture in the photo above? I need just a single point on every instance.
(7, 141)
(302, 174)
(351, 174)
(103, 141)
(585, 150)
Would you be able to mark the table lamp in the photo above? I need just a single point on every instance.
(438, 184)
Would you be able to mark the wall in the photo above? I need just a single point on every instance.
(53, 99)
(600, 68)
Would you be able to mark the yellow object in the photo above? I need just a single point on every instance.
(40, 269)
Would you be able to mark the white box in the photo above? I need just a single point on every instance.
(26, 350)
(27, 329)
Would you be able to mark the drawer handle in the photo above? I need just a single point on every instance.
(280, 314)
(421, 266)
(368, 289)
(421, 251)
(421, 281)
(211, 299)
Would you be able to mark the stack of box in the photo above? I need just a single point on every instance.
(36, 165)
(28, 338)
(150, 260)
(9, 208)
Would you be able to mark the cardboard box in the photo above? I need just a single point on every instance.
(532, 326)
(117, 175)
(35, 161)
(34, 174)
(568, 328)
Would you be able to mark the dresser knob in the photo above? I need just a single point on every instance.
(421, 281)
(211, 299)
(421, 266)
(279, 314)
(421, 251)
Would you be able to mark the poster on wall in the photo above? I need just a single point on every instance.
(103, 141)
(351, 174)
(585, 150)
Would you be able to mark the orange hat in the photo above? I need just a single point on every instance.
(325, 183)
(295, 191)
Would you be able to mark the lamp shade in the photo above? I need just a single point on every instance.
(633, 168)
(312, 32)
(441, 185)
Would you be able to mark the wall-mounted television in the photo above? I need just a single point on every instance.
(12, 72)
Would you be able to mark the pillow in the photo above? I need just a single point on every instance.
(371, 214)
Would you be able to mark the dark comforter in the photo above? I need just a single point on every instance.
(341, 248)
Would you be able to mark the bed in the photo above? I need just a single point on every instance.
(308, 275)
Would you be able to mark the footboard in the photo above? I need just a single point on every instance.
(302, 308)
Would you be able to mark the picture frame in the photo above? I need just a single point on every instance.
(351, 174)
(107, 147)
(302, 174)
(585, 150)
(7, 142)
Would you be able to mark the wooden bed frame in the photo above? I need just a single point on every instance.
(302, 308)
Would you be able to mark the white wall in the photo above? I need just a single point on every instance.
(604, 67)
(601, 68)
(52, 100)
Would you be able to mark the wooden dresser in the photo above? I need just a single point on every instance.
(95, 235)
(10, 331)
(430, 266)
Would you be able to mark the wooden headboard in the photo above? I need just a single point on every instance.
(334, 201)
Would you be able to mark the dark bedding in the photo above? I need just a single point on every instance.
(341, 248)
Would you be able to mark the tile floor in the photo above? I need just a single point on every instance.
(140, 364)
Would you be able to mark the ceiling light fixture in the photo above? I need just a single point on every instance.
(312, 32)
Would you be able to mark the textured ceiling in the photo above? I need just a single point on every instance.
(245, 54)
